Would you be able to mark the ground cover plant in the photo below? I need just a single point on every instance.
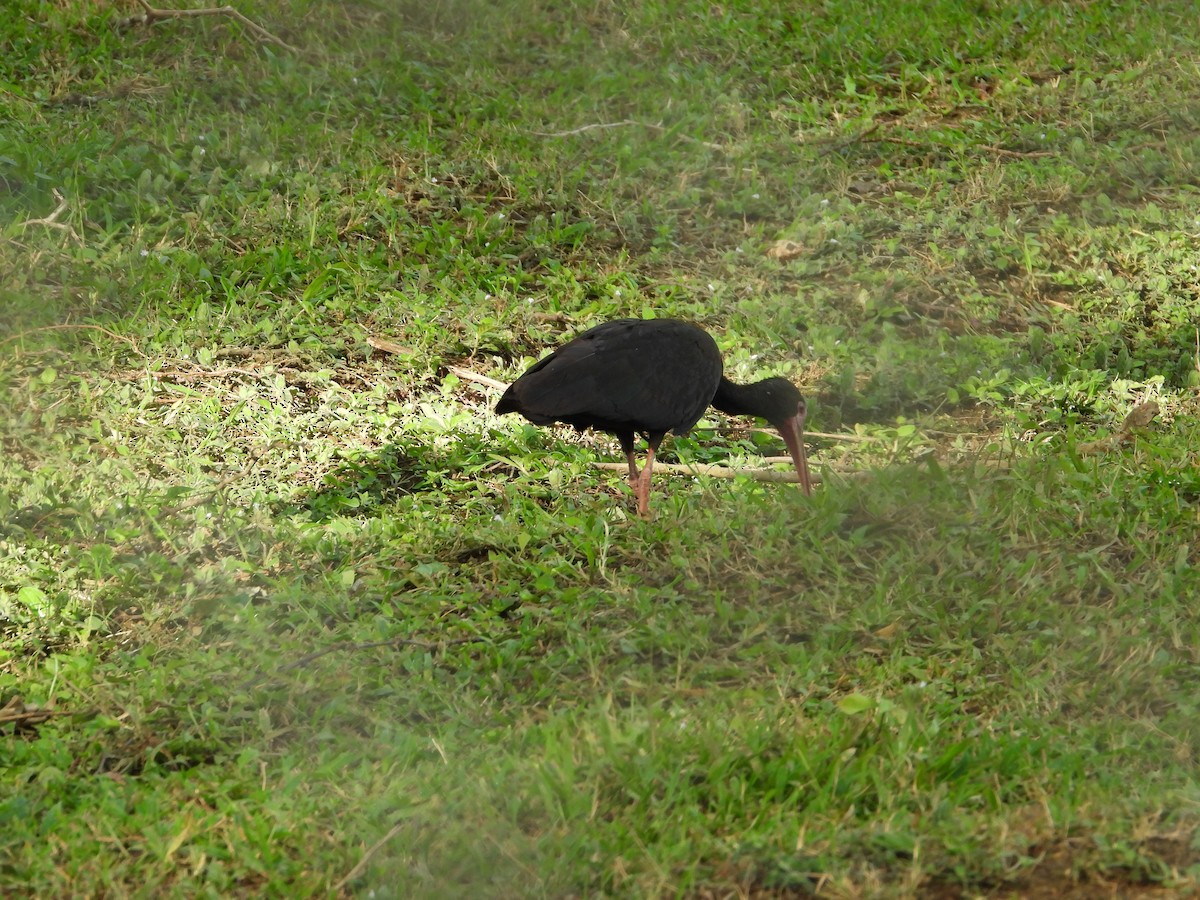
(285, 610)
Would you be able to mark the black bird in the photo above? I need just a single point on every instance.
(649, 376)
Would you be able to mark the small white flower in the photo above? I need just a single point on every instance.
(500, 215)
(617, 292)
(201, 138)
(825, 202)
(738, 250)
(754, 196)
(144, 253)
(834, 241)
(711, 288)
(434, 180)
(202, 151)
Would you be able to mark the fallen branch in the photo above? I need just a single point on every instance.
(595, 125)
(151, 15)
(385, 346)
(468, 375)
(859, 138)
(15, 711)
(931, 145)
(772, 475)
(1023, 154)
(111, 334)
(366, 645)
(582, 128)
(361, 865)
(856, 438)
(51, 221)
(1138, 417)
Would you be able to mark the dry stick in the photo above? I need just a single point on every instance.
(839, 146)
(51, 221)
(368, 645)
(1023, 154)
(857, 438)
(930, 145)
(34, 716)
(773, 475)
(111, 334)
(361, 865)
(153, 15)
(468, 375)
(385, 346)
(583, 128)
(595, 125)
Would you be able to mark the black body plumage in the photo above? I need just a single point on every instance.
(648, 376)
(626, 377)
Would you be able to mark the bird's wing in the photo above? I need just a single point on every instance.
(639, 375)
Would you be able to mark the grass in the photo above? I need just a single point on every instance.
(286, 614)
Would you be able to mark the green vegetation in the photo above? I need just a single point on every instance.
(285, 610)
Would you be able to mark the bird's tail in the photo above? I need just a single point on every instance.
(508, 403)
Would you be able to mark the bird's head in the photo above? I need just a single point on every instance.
(784, 407)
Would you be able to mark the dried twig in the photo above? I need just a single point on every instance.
(1023, 154)
(366, 645)
(369, 645)
(361, 865)
(932, 145)
(468, 375)
(839, 146)
(595, 125)
(151, 15)
(111, 334)
(830, 435)
(385, 346)
(16, 711)
(51, 221)
(774, 475)
(1139, 417)
(582, 128)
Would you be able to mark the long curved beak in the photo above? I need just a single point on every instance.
(792, 431)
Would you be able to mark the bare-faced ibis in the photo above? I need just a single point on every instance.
(649, 376)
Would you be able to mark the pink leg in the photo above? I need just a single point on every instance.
(631, 458)
(643, 485)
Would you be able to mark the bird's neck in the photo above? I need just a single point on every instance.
(737, 399)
